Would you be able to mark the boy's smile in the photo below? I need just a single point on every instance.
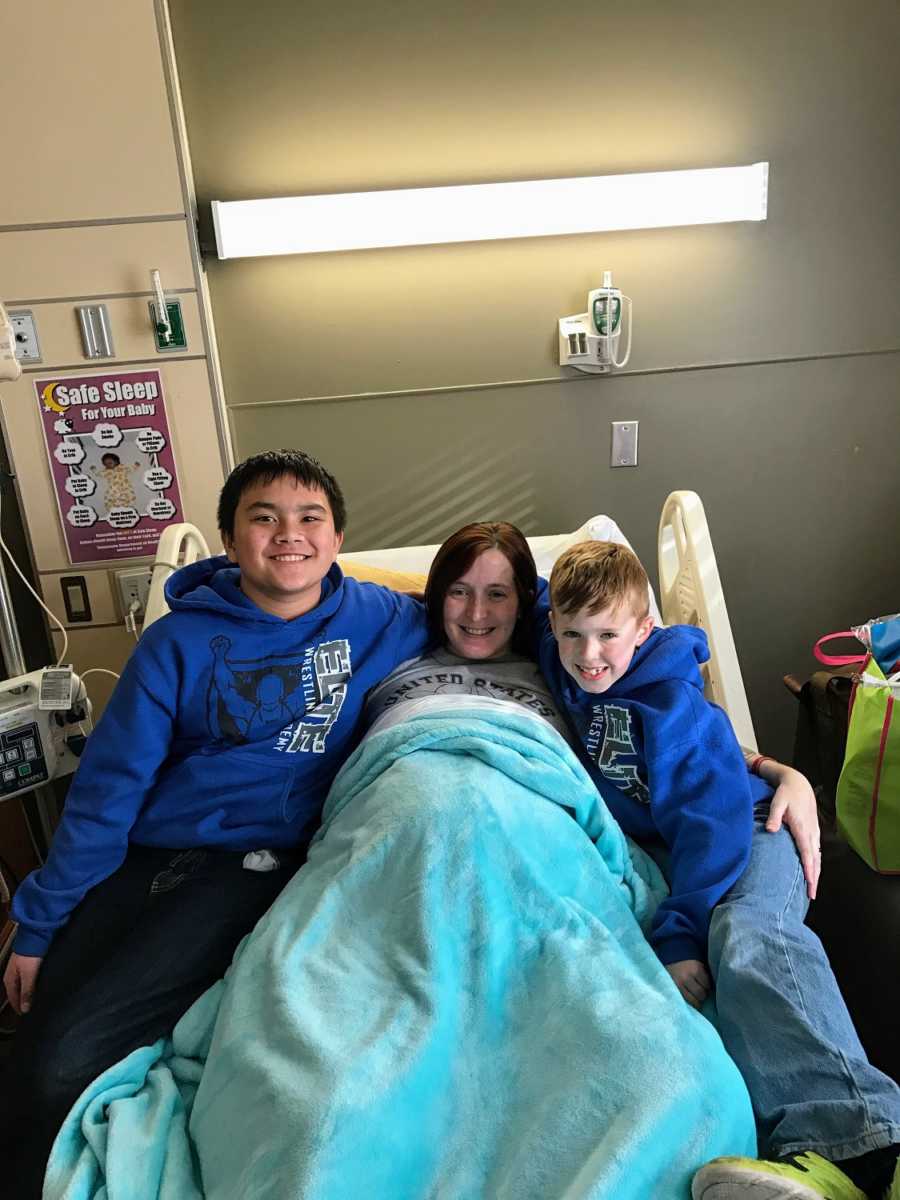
(596, 649)
(284, 543)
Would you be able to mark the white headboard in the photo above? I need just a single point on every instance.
(546, 550)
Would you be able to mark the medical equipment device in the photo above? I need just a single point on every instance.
(166, 318)
(160, 309)
(41, 715)
(36, 744)
(57, 689)
(589, 341)
(10, 367)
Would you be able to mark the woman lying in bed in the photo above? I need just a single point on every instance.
(454, 997)
(479, 595)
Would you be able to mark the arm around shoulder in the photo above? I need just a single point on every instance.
(409, 632)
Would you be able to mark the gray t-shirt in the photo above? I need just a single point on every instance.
(512, 678)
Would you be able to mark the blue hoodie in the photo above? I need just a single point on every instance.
(225, 730)
(669, 767)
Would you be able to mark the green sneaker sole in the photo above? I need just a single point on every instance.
(724, 1181)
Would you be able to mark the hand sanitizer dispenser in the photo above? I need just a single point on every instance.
(589, 341)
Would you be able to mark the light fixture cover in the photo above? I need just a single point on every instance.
(484, 211)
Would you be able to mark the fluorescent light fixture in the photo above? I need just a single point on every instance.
(484, 211)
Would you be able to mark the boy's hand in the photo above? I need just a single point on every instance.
(19, 980)
(794, 803)
(692, 980)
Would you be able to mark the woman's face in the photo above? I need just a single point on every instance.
(480, 609)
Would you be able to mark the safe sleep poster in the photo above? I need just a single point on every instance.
(110, 454)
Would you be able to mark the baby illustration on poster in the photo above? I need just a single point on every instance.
(111, 459)
(116, 478)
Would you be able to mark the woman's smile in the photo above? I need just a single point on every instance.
(481, 608)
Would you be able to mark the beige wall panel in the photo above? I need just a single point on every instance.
(59, 333)
(107, 648)
(90, 102)
(194, 442)
(96, 260)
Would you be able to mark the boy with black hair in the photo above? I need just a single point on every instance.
(197, 793)
(668, 765)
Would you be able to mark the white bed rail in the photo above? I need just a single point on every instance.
(690, 593)
(178, 546)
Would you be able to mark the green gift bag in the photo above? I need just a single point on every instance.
(868, 791)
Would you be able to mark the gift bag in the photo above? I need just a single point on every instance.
(868, 791)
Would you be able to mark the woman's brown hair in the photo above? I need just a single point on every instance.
(458, 553)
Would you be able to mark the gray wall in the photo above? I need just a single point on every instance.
(765, 368)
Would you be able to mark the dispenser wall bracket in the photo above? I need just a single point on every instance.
(96, 334)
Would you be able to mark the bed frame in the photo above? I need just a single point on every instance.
(690, 587)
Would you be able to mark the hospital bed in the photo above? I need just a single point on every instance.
(690, 586)
(467, 880)
(690, 592)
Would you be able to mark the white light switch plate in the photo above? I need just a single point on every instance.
(624, 444)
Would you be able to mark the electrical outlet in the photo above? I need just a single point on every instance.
(130, 585)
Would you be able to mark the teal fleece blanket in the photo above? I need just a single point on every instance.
(452, 1000)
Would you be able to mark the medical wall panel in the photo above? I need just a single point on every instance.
(129, 321)
(93, 260)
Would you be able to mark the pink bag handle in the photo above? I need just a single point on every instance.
(837, 660)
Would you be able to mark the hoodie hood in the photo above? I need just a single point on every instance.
(674, 652)
(213, 585)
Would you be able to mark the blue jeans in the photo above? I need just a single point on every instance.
(135, 954)
(784, 1021)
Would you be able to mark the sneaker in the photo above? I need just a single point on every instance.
(893, 1192)
(804, 1176)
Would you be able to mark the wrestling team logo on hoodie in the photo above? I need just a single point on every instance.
(608, 741)
(300, 701)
